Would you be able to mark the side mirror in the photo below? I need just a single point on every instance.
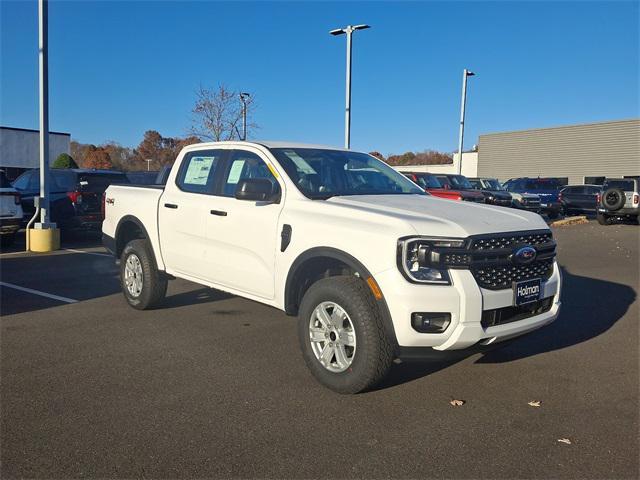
(258, 190)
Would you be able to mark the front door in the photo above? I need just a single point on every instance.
(243, 236)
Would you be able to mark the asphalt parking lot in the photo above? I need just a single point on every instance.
(213, 385)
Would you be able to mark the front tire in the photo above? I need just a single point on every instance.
(143, 286)
(342, 337)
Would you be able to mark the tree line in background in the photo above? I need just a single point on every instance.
(427, 157)
(111, 155)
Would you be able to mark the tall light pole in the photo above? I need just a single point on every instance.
(243, 98)
(348, 30)
(466, 73)
(43, 61)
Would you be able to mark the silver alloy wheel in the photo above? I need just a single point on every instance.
(133, 275)
(333, 337)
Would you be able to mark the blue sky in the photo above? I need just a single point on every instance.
(120, 68)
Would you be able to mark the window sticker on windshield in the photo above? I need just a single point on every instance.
(300, 162)
(198, 170)
(236, 171)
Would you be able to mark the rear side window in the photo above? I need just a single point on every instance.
(625, 185)
(244, 165)
(198, 170)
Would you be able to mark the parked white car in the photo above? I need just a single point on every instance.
(373, 267)
(10, 211)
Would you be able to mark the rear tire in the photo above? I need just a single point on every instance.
(603, 219)
(349, 352)
(143, 286)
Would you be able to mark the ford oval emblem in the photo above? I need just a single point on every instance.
(524, 255)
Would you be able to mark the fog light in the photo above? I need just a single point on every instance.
(430, 322)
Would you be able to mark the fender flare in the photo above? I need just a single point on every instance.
(140, 225)
(352, 262)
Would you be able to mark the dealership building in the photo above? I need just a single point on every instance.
(575, 154)
(20, 149)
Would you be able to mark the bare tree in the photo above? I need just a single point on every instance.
(217, 114)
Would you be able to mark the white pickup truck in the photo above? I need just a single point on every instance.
(374, 268)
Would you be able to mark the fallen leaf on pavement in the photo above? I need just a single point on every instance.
(535, 403)
(565, 440)
(457, 403)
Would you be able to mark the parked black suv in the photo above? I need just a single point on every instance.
(494, 193)
(579, 198)
(75, 195)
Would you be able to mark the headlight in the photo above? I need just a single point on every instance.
(419, 258)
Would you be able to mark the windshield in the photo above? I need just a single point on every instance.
(494, 184)
(321, 174)
(427, 181)
(460, 181)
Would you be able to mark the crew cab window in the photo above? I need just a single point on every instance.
(198, 170)
(244, 165)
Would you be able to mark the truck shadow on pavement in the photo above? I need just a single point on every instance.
(590, 307)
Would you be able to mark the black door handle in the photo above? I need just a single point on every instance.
(220, 213)
(171, 205)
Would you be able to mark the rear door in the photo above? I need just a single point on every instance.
(243, 236)
(183, 210)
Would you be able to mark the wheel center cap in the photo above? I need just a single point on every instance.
(333, 336)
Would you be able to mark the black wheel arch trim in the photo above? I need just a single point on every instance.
(290, 304)
(132, 219)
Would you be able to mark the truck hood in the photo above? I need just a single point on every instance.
(429, 215)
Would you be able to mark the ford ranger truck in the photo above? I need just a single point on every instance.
(372, 266)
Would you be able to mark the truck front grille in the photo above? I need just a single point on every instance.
(502, 276)
(491, 258)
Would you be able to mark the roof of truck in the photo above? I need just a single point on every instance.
(269, 144)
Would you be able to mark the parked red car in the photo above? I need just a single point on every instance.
(432, 185)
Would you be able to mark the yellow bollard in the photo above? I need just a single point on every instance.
(43, 239)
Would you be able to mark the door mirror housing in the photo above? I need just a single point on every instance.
(258, 190)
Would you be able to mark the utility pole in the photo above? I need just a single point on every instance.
(244, 96)
(466, 73)
(348, 31)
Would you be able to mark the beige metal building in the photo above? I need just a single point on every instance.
(577, 153)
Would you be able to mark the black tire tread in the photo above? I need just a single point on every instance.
(155, 283)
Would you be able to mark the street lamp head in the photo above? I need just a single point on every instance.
(470, 73)
(361, 27)
(338, 31)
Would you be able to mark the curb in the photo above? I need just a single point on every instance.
(570, 221)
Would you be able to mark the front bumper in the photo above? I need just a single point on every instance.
(466, 301)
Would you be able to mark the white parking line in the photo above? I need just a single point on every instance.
(38, 292)
(88, 253)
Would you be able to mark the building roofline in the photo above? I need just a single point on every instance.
(561, 126)
(32, 130)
